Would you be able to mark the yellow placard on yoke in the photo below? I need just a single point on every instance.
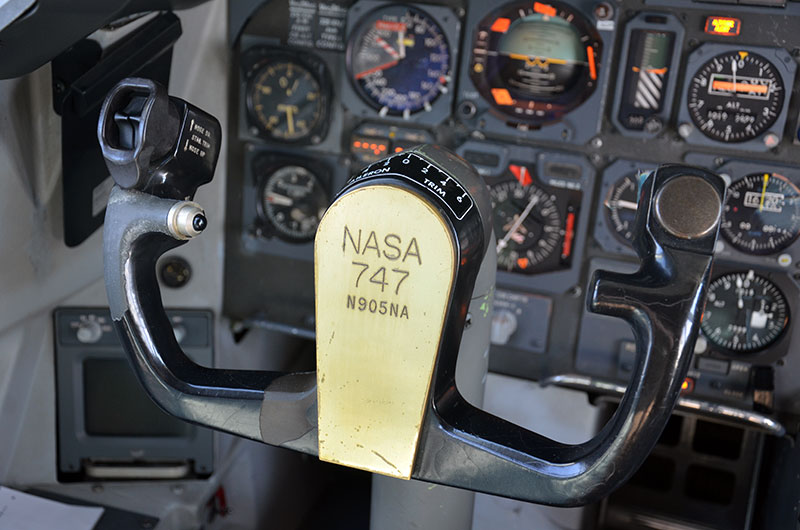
(384, 262)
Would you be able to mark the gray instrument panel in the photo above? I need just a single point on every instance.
(542, 328)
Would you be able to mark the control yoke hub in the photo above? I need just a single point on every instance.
(403, 257)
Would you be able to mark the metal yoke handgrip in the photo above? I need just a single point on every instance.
(459, 444)
(663, 302)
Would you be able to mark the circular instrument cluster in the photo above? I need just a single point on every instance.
(534, 224)
(399, 60)
(735, 96)
(761, 214)
(535, 62)
(745, 312)
(527, 223)
(287, 100)
(293, 201)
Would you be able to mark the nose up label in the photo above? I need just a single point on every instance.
(384, 262)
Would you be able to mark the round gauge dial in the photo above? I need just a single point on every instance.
(534, 61)
(744, 313)
(527, 224)
(761, 214)
(620, 207)
(285, 100)
(293, 200)
(735, 96)
(399, 60)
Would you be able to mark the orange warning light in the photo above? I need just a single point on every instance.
(592, 64)
(501, 25)
(750, 88)
(523, 263)
(502, 97)
(725, 26)
(544, 9)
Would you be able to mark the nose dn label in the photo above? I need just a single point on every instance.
(384, 262)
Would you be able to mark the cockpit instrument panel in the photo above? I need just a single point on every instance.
(560, 105)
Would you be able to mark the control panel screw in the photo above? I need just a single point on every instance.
(603, 11)
(685, 130)
(597, 142)
(771, 140)
(653, 125)
(175, 272)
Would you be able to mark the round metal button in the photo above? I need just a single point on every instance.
(688, 207)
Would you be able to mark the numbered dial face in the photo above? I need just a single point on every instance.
(736, 96)
(534, 61)
(285, 100)
(399, 60)
(527, 224)
(293, 201)
(761, 214)
(620, 207)
(744, 313)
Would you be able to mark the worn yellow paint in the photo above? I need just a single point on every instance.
(384, 262)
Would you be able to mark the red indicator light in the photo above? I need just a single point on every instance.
(569, 236)
(523, 263)
(373, 147)
(687, 387)
(390, 26)
(522, 174)
(592, 65)
(725, 26)
(544, 9)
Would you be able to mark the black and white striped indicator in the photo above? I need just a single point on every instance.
(647, 71)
